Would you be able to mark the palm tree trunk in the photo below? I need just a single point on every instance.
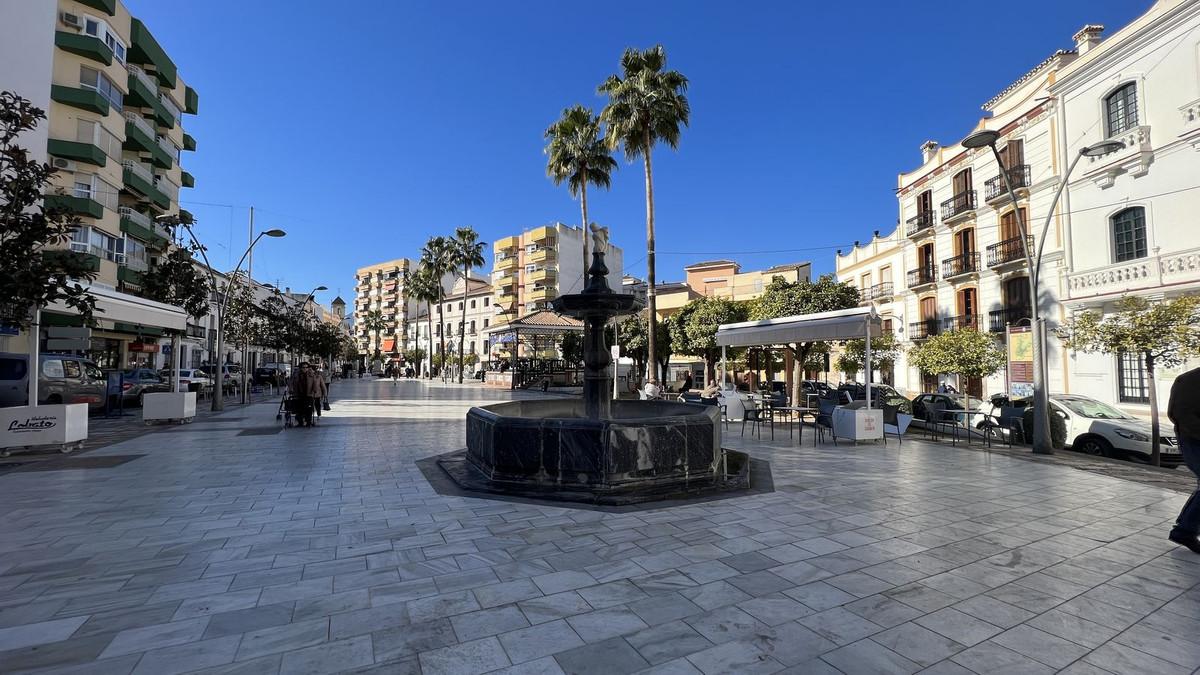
(1154, 446)
(462, 325)
(651, 304)
(429, 324)
(442, 336)
(583, 207)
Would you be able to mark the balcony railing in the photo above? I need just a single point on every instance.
(168, 188)
(963, 202)
(137, 217)
(142, 77)
(140, 122)
(1166, 269)
(877, 292)
(138, 169)
(136, 263)
(921, 276)
(925, 328)
(170, 105)
(965, 263)
(994, 188)
(1007, 251)
(169, 148)
(920, 222)
(1000, 319)
(961, 322)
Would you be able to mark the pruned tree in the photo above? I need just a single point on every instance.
(790, 298)
(1162, 333)
(884, 351)
(32, 274)
(965, 352)
(694, 328)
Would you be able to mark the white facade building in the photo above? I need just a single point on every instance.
(476, 309)
(877, 270)
(1134, 215)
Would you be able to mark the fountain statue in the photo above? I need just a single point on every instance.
(596, 449)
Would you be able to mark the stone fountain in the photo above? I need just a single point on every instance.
(595, 449)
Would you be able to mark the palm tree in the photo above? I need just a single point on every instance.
(375, 323)
(577, 154)
(467, 251)
(646, 104)
(437, 257)
(423, 286)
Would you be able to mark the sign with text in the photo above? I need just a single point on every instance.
(1020, 361)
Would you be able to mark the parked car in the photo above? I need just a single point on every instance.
(63, 378)
(141, 381)
(922, 403)
(191, 379)
(881, 394)
(1097, 428)
(231, 379)
(264, 376)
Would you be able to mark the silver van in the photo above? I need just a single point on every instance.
(64, 378)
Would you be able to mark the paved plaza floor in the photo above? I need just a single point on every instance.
(238, 547)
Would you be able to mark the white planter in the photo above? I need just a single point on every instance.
(28, 426)
(169, 406)
(858, 424)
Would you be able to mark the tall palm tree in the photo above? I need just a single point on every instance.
(425, 287)
(437, 257)
(375, 323)
(646, 105)
(467, 252)
(576, 153)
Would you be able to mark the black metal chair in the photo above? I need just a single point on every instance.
(935, 422)
(890, 418)
(756, 416)
(824, 421)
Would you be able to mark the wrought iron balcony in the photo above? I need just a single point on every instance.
(994, 188)
(877, 292)
(920, 223)
(961, 322)
(925, 328)
(922, 275)
(965, 263)
(1008, 251)
(960, 204)
(1000, 319)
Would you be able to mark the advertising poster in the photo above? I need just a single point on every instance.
(1020, 361)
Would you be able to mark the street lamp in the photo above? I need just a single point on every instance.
(1042, 444)
(218, 402)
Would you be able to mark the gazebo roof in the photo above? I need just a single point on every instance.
(542, 321)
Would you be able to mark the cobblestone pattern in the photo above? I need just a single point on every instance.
(325, 550)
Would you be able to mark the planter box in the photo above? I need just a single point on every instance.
(858, 424)
(43, 425)
(169, 406)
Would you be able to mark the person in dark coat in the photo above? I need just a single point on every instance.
(307, 387)
(687, 382)
(1184, 411)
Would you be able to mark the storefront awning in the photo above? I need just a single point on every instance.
(844, 324)
(122, 308)
(389, 344)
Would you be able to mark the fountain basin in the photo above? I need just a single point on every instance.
(644, 451)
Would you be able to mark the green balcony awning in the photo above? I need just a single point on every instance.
(130, 276)
(109, 7)
(191, 101)
(187, 180)
(84, 45)
(189, 143)
(142, 233)
(80, 152)
(144, 188)
(144, 48)
(81, 206)
(77, 97)
(90, 261)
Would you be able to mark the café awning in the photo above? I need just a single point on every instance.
(842, 324)
(117, 307)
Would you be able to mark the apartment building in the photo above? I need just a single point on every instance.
(1131, 228)
(877, 270)
(477, 310)
(963, 259)
(380, 288)
(114, 130)
(538, 265)
(725, 278)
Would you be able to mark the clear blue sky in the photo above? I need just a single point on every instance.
(363, 127)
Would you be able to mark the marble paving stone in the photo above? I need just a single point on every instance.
(605, 623)
(668, 641)
(868, 656)
(245, 620)
(43, 632)
(774, 609)
(820, 596)
(553, 607)
(527, 644)
(283, 638)
(734, 657)
(152, 637)
(363, 621)
(488, 622)
(882, 610)
(410, 640)
(188, 657)
(725, 624)
(613, 656)
(791, 643)
(715, 594)
(664, 608)
(330, 657)
(918, 644)
(506, 592)
(839, 625)
(478, 656)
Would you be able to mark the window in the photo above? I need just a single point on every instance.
(1010, 227)
(472, 304)
(485, 323)
(1129, 234)
(472, 327)
(90, 78)
(925, 202)
(95, 188)
(1132, 384)
(99, 29)
(962, 182)
(93, 133)
(71, 369)
(52, 368)
(1120, 109)
(460, 306)
(135, 253)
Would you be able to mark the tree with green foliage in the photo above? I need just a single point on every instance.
(466, 251)
(245, 322)
(414, 356)
(646, 105)
(571, 347)
(1162, 333)
(375, 322)
(576, 153)
(884, 350)
(176, 279)
(632, 337)
(422, 286)
(790, 298)
(694, 328)
(965, 352)
(32, 275)
(437, 257)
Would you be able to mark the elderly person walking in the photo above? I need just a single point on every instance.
(1184, 411)
(306, 386)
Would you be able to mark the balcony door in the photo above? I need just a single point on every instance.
(964, 242)
(968, 307)
(1016, 293)
(925, 261)
(925, 202)
(962, 182)
(928, 308)
(1009, 227)
(1013, 154)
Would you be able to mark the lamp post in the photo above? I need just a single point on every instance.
(1042, 444)
(218, 402)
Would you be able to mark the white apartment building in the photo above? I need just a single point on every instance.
(538, 265)
(877, 270)
(1133, 226)
(479, 313)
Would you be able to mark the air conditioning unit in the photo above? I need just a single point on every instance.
(62, 164)
(72, 20)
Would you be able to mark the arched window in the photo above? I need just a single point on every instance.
(1129, 234)
(1121, 109)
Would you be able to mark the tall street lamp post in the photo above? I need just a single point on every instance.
(218, 402)
(1042, 444)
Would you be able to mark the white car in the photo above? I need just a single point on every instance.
(190, 379)
(1097, 428)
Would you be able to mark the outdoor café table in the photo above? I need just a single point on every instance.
(799, 412)
(966, 417)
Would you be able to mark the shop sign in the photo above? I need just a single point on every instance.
(143, 347)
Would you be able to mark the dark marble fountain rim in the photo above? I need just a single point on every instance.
(690, 412)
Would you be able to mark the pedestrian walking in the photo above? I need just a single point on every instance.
(687, 382)
(395, 373)
(326, 380)
(306, 387)
(1184, 411)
